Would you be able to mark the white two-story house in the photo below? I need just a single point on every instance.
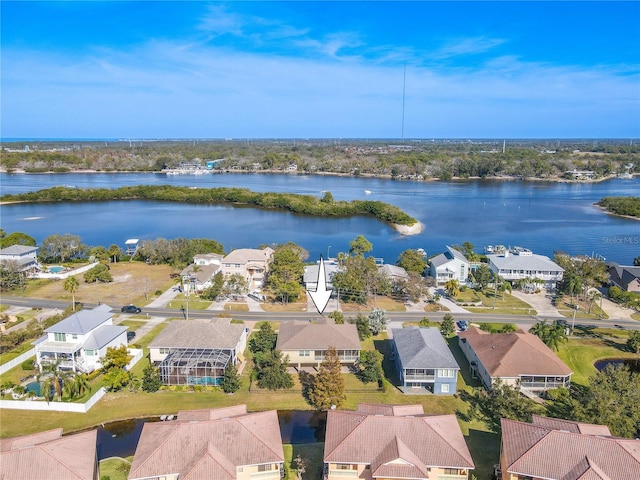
(23, 256)
(450, 265)
(80, 340)
(250, 263)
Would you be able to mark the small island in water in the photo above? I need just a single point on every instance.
(623, 206)
(325, 206)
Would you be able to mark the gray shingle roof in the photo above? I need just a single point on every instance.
(533, 262)
(102, 336)
(423, 348)
(83, 321)
(213, 334)
(17, 250)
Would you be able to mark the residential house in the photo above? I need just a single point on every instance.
(222, 444)
(196, 352)
(424, 361)
(307, 343)
(80, 340)
(23, 256)
(450, 265)
(310, 275)
(198, 276)
(521, 263)
(516, 357)
(550, 448)
(50, 455)
(393, 272)
(251, 264)
(394, 442)
(626, 278)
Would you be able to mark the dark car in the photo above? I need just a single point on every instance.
(130, 309)
(131, 336)
(462, 325)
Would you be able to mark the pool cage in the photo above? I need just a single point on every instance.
(194, 367)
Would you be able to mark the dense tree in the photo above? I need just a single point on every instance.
(264, 340)
(359, 246)
(272, 371)
(356, 278)
(17, 238)
(151, 379)
(11, 276)
(370, 366)
(215, 290)
(76, 385)
(377, 321)
(613, 399)
(115, 376)
(337, 317)
(285, 273)
(447, 326)
(482, 276)
(61, 248)
(99, 273)
(502, 401)
(552, 334)
(231, 380)
(452, 287)
(413, 288)
(116, 357)
(52, 380)
(412, 261)
(235, 285)
(327, 390)
(71, 285)
(633, 342)
(362, 324)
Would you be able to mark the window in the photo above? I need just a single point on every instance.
(91, 353)
(343, 466)
(444, 388)
(454, 471)
(74, 336)
(305, 353)
(60, 337)
(163, 351)
(265, 468)
(447, 373)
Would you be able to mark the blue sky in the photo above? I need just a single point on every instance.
(320, 69)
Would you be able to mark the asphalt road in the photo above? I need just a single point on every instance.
(521, 320)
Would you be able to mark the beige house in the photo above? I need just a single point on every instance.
(394, 442)
(550, 448)
(49, 455)
(196, 352)
(222, 444)
(250, 263)
(513, 357)
(307, 343)
(627, 278)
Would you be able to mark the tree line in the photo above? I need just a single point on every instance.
(628, 206)
(296, 203)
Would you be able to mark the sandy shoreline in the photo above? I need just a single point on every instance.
(414, 229)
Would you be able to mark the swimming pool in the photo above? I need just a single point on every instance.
(55, 269)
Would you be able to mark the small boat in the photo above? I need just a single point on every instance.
(367, 192)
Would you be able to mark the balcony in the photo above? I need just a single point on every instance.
(343, 473)
(266, 474)
(424, 378)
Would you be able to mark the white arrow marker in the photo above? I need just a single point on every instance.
(321, 295)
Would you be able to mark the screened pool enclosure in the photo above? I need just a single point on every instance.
(194, 367)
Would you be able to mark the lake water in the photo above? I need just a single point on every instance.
(542, 216)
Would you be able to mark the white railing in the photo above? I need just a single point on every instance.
(268, 473)
(343, 473)
(5, 367)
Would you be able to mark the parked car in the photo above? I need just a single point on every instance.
(257, 296)
(130, 336)
(462, 325)
(130, 309)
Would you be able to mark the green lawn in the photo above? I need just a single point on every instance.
(505, 304)
(311, 454)
(115, 468)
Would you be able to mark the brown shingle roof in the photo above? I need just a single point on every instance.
(310, 336)
(211, 413)
(415, 442)
(513, 354)
(49, 455)
(547, 453)
(570, 426)
(208, 334)
(209, 448)
(390, 410)
(248, 255)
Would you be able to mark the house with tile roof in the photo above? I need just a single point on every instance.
(450, 265)
(198, 276)
(196, 352)
(50, 455)
(250, 263)
(307, 343)
(626, 278)
(550, 448)
(221, 444)
(80, 340)
(394, 442)
(514, 358)
(423, 361)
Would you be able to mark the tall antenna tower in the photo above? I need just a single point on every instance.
(404, 83)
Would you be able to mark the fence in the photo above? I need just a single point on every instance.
(53, 406)
(5, 367)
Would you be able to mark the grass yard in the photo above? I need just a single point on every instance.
(311, 454)
(180, 301)
(130, 279)
(115, 468)
(236, 307)
(287, 307)
(384, 303)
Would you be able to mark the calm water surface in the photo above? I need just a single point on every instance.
(542, 216)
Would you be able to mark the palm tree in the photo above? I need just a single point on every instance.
(452, 287)
(51, 377)
(76, 385)
(71, 285)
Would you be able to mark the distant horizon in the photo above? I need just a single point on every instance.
(320, 69)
